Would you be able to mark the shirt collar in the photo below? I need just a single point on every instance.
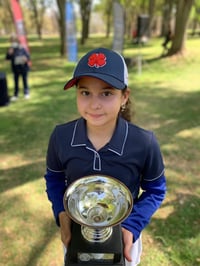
(116, 143)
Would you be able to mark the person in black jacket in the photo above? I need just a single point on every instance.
(20, 59)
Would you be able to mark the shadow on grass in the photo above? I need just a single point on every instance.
(178, 233)
(28, 232)
(30, 123)
(17, 176)
(167, 112)
(49, 230)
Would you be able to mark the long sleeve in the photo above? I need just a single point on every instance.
(146, 205)
(55, 188)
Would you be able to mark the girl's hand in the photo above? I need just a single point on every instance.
(65, 228)
(128, 242)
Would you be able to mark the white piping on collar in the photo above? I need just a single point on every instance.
(97, 159)
(73, 136)
(122, 150)
(110, 149)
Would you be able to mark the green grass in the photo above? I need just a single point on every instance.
(166, 95)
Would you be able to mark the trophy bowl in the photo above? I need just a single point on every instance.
(98, 204)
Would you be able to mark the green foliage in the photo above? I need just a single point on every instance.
(166, 95)
(195, 13)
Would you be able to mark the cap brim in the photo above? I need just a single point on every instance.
(108, 79)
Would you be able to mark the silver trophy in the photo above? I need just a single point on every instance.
(97, 205)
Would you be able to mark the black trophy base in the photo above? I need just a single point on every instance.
(82, 252)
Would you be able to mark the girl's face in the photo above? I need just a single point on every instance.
(99, 103)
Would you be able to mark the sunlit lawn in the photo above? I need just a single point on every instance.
(166, 93)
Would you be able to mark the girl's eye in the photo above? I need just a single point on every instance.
(84, 93)
(107, 93)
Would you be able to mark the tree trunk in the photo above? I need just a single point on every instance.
(151, 8)
(182, 15)
(108, 18)
(167, 16)
(62, 28)
(85, 9)
(7, 20)
(36, 16)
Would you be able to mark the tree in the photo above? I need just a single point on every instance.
(85, 10)
(106, 8)
(38, 8)
(131, 10)
(166, 16)
(6, 17)
(183, 9)
(151, 9)
(108, 14)
(62, 28)
(195, 17)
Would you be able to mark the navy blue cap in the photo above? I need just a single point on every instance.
(103, 64)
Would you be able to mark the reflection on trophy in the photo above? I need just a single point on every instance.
(97, 205)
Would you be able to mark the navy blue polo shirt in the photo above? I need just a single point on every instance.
(132, 155)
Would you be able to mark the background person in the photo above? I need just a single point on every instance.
(20, 59)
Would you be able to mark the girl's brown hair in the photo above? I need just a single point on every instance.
(126, 112)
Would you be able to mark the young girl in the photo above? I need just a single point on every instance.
(104, 141)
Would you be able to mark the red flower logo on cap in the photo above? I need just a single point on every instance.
(97, 60)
